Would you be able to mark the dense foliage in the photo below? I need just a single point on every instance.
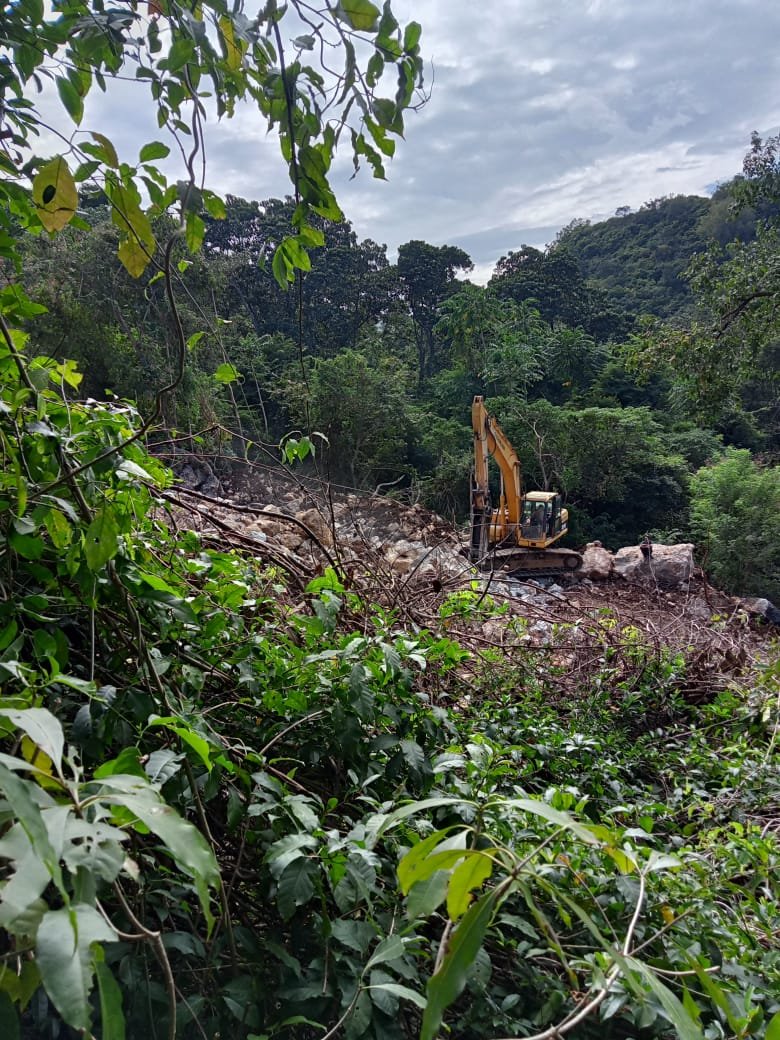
(239, 802)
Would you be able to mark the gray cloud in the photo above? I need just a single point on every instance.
(541, 111)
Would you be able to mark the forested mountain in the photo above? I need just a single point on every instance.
(382, 358)
(306, 787)
(639, 258)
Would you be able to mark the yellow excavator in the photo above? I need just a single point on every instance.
(521, 533)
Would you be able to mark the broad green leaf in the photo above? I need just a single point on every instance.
(71, 99)
(386, 823)
(361, 14)
(190, 737)
(101, 541)
(194, 231)
(626, 864)
(215, 207)
(9, 1020)
(128, 760)
(539, 808)
(469, 875)
(25, 887)
(412, 35)
(662, 861)
(296, 887)
(389, 949)
(134, 256)
(184, 841)
(408, 866)
(401, 991)
(685, 1026)
(128, 468)
(109, 155)
(234, 50)
(154, 150)
(43, 729)
(447, 984)
(773, 1027)
(112, 1021)
(60, 531)
(64, 958)
(227, 373)
(19, 793)
(282, 269)
(54, 194)
(426, 896)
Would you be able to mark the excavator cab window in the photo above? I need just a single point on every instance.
(534, 519)
(555, 519)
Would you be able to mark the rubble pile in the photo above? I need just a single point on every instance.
(413, 559)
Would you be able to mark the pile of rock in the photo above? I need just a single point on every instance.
(669, 566)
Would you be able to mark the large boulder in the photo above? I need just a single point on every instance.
(669, 566)
(317, 523)
(761, 607)
(596, 562)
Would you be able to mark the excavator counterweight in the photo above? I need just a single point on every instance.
(520, 532)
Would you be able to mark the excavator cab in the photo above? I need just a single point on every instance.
(543, 516)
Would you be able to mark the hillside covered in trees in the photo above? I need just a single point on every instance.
(257, 778)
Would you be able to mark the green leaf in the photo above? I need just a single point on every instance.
(227, 373)
(194, 231)
(467, 876)
(686, 1028)
(426, 896)
(9, 1020)
(43, 729)
(108, 151)
(64, 958)
(101, 541)
(215, 207)
(773, 1027)
(389, 949)
(19, 793)
(153, 150)
(295, 888)
(184, 841)
(412, 35)
(661, 861)
(282, 269)
(409, 866)
(112, 1021)
(190, 738)
(401, 991)
(386, 823)
(446, 985)
(71, 99)
(539, 808)
(54, 194)
(361, 14)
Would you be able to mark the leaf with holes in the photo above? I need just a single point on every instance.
(54, 194)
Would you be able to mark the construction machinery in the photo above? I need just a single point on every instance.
(522, 532)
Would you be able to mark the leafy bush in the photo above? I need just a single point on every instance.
(735, 515)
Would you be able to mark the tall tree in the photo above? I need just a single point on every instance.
(428, 276)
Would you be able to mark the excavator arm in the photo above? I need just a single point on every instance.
(490, 439)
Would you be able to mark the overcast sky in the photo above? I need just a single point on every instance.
(541, 111)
